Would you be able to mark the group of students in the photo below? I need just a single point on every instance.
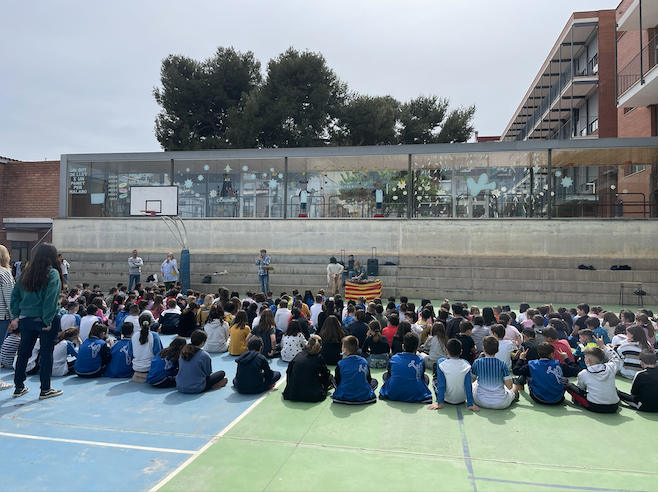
(476, 363)
(473, 355)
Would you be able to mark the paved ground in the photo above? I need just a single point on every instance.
(118, 435)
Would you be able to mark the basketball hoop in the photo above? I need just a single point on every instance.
(148, 212)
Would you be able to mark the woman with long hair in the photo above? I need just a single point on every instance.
(238, 334)
(308, 378)
(332, 334)
(629, 352)
(266, 330)
(146, 344)
(195, 367)
(34, 309)
(217, 330)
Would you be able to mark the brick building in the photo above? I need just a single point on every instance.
(599, 81)
(29, 200)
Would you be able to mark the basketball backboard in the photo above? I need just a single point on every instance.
(154, 200)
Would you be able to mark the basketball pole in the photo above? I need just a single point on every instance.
(180, 233)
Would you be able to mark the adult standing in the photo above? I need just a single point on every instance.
(334, 272)
(263, 262)
(169, 271)
(6, 285)
(64, 267)
(349, 269)
(34, 310)
(135, 264)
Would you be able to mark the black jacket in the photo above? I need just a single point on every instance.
(307, 378)
(253, 371)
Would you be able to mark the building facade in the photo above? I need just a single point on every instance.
(599, 81)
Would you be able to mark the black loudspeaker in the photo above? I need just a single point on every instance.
(373, 267)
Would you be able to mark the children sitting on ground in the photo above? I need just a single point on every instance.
(405, 379)
(217, 329)
(619, 336)
(435, 345)
(354, 385)
(468, 344)
(308, 378)
(530, 343)
(121, 365)
(195, 367)
(560, 346)
(594, 324)
(585, 339)
(479, 331)
(293, 341)
(546, 376)
(452, 379)
(71, 318)
(629, 352)
(492, 385)
(238, 334)
(644, 390)
(64, 349)
(538, 327)
(94, 354)
(505, 347)
(254, 374)
(164, 366)
(145, 345)
(9, 349)
(595, 389)
(375, 348)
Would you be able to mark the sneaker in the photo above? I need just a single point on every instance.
(51, 393)
(20, 392)
(5, 386)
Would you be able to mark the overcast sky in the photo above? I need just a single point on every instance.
(77, 76)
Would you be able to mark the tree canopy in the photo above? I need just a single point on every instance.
(225, 102)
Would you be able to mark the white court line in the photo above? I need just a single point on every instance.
(101, 444)
(216, 438)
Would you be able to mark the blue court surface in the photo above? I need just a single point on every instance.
(109, 434)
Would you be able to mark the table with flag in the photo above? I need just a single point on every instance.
(369, 289)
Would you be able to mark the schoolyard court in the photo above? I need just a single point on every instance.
(109, 434)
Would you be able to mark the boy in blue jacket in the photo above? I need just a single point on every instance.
(121, 365)
(546, 375)
(354, 385)
(254, 374)
(405, 379)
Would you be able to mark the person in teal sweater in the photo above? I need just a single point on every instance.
(35, 310)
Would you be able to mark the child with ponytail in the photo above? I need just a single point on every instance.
(195, 367)
(145, 345)
(164, 366)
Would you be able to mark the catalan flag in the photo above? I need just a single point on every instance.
(369, 290)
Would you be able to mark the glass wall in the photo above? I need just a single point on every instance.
(248, 188)
(364, 186)
(481, 185)
(596, 182)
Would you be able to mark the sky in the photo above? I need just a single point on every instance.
(77, 76)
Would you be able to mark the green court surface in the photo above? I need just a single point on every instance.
(390, 446)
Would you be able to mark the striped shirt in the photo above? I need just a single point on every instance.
(629, 353)
(6, 286)
(491, 375)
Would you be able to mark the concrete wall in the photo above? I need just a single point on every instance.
(527, 238)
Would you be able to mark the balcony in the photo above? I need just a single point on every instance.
(637, 82)
(630, 20)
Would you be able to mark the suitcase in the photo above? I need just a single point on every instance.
(373, 264)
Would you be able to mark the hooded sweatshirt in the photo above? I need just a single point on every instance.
(599, 380)
(253, 371)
